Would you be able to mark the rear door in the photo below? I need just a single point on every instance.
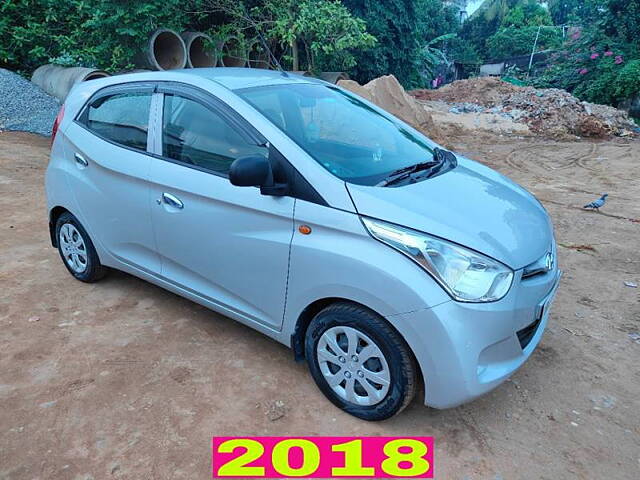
(109, 171)
(229, 245)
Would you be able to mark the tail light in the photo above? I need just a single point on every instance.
(56, 123)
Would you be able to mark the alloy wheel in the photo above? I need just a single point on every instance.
(73, 248)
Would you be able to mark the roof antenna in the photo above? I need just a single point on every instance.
(264, 44)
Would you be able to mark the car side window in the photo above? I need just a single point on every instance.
(122, 118)
(196, 135)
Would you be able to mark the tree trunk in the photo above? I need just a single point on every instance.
(295, 55)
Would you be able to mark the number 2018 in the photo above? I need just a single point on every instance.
(323, 457)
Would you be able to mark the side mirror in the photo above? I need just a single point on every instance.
(255, 171)
(251, 171)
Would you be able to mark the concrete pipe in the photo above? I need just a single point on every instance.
(58, 81)
(333, 77)
(232, 53)
(199, 50)
(165, 50)
(304, 73)
(258, 58)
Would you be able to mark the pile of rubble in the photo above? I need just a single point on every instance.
(547, 112)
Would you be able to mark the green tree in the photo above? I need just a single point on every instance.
(325, 29)
(495, 15)
(312, 34)
(512, 41)
(101, 33)
(402, 28)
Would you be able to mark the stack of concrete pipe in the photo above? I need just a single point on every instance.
(168, 50)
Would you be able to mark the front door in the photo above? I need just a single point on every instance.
(227, 244)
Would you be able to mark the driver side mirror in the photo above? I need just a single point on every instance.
(255, 171)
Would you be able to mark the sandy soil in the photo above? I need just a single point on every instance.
(124, 380)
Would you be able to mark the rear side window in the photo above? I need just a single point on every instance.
(122, 118)
(196, 135)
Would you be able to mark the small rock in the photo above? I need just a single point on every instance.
(631, 284)
(276, 410)
(603, 401)
(635, 336)
(34, 319)
(574, 424)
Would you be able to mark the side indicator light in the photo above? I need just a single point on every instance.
(304, 229)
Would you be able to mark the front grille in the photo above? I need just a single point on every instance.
(543, 265)
(526, 334)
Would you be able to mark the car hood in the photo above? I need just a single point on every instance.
(471, 205)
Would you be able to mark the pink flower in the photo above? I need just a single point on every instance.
(594, 56)
(618, 60)
(608, 53)
(583, 71)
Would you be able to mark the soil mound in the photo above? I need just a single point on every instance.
(548, 112)
(387, 93)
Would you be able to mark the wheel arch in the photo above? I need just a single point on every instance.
(311, 310)
(54, 214)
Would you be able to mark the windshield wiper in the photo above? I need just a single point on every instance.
(406, 172)
(441, 158)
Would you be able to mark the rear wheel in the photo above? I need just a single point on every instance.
(76, 250)
(360, 362)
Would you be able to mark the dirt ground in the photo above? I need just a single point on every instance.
(122, 379)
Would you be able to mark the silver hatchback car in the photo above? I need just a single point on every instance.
(313, 216)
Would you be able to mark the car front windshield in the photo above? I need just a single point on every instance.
(346, 136)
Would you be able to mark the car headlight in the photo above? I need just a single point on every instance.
(466, 275)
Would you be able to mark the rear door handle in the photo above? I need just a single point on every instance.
(172, 201)
(80, 160)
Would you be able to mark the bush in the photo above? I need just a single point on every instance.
(402, 28)
(627, 83)
(594, 68)
(510, 41)
(102, 33)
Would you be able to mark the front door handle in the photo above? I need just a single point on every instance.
(80, 160)
(172, 201)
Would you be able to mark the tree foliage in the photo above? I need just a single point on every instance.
(594, 67)
(503, 28)
(99, 33)
(324, 29)
(510, 41)
(109, 33)
(402, 28)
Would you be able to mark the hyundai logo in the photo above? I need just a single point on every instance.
(548, 261)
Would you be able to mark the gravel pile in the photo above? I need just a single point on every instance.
(24, 106)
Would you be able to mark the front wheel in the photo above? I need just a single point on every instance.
(360, 362)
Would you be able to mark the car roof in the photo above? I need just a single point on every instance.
(237, 78)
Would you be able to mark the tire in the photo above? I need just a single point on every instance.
(336, 327)
(77, 251)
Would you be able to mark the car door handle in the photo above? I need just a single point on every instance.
(172, 200)
(80, 160)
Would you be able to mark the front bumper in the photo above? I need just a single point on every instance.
(467, 349)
